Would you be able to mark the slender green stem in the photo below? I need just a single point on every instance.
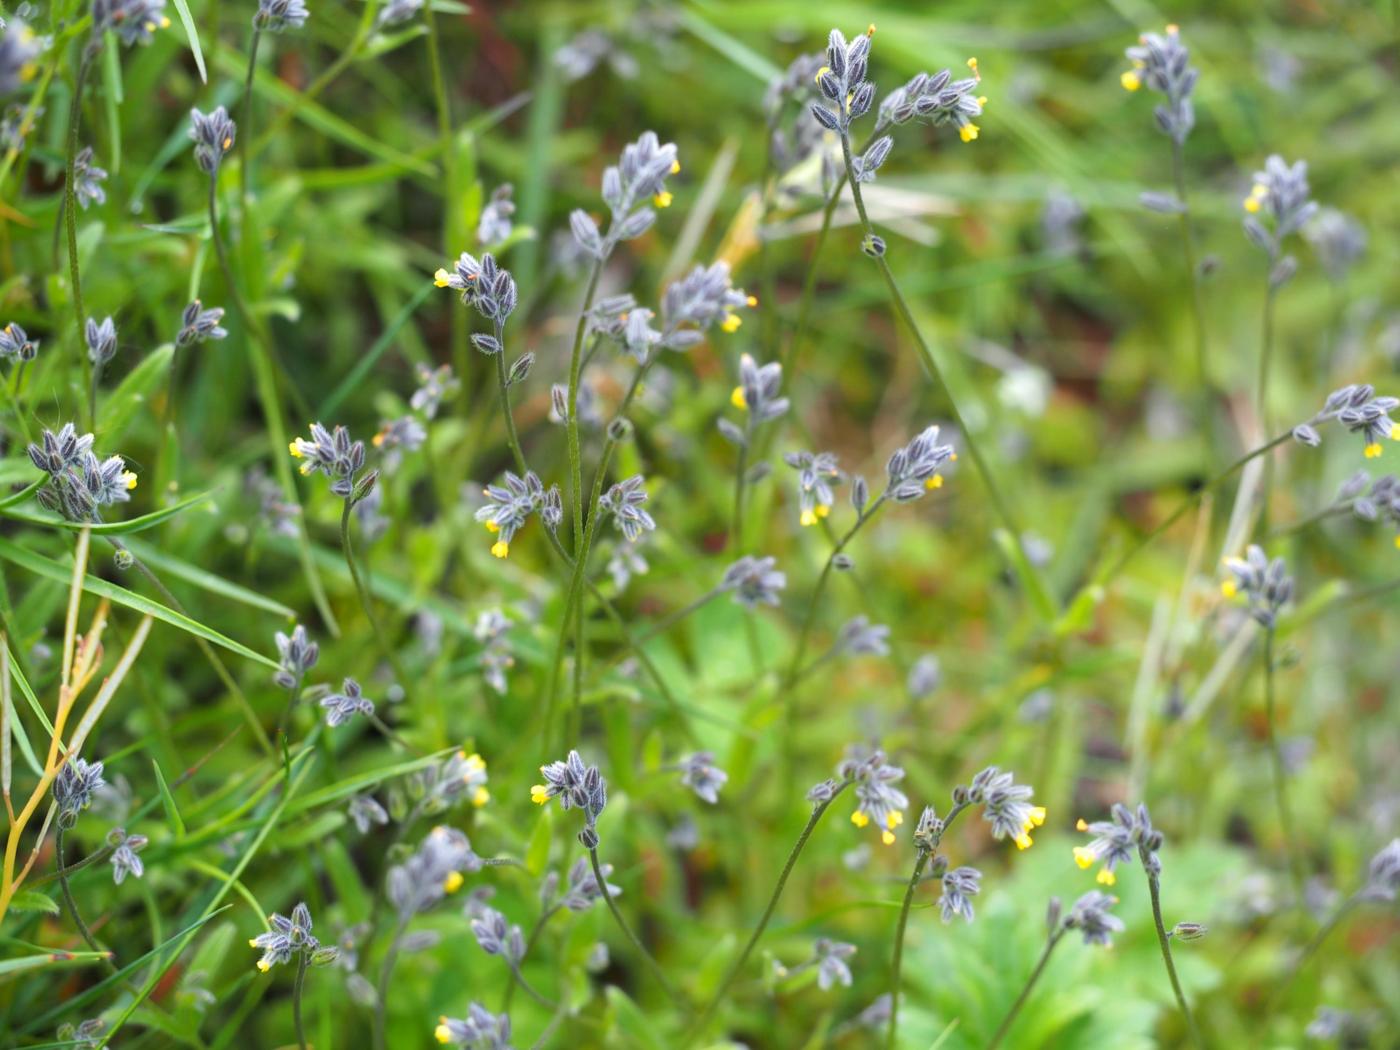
(1287, 825)
(1342, 911)
(1189, 502)
(266, 380)
(1155, 890)
(1188, 249)
(72, 904)
(741, 466)
(70, 218)
(13, 400)
(303, 961)
(697, 1030)
(1266, 353)
(529, 989)
(293, 695)
(366, 601)
(503, 392)
(571, 424)
(245, 136)
(386, 971)
(914, 878)
(530, 941)
(651, 962)
(1006, 1023)
(984, 470)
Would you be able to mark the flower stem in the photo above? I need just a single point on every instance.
(386, 971)
(70, 217)
(72, 904)
(245, 171)
(1005, 1025)
(1285, 813)
(1188, 250)
(651, 962)
(303, 961)
(366, 602)
(914, 879)
(571, 424)
(999, 504)
(1155, 890)
(738, 964)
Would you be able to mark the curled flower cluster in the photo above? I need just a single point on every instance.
(960, 885)
(19, 47)
(291, 936)
(333, 454)
(1115, 841)
(1163, 63)
(1265, 583)
(755, 581)
(842, 82)
(703, 297)
(624, 501)
(1005, 805)
(80, 484)
(15, 344)
(296, 654)
(124, 859)
(1281, 196)
(1090, 916)
(101, 340)
(435, 385)
(914, 469)
(509, 507)
(1357, 408)
(134, 21)
(702, 776)
(88, 179)
(73, 788)
(198, 324)
(757, 392)
(576, 786)
(485, 285)
(641, 173)
(433, 871)
(480, 1029)
(277, 16)
(878, 801)
(213, 135)
(350, 701)
(817, 472)
(938, 99)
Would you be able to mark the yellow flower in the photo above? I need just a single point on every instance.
(737, 398)
(675, 167)
(1395, 432)
(264, 965)
(731, 323)
(1036, 818)
(1023, 840)
(887, 837)
(252, 942)
(1255, 200)
(1084, 856)
(500, 548)
(968, 132)
(491, 526)
(475, 764)
(1081, 825)
(870, 29)
(129, 479)
(1229, 588)
(662, 199)
(1397, 543)
(809, 517)
(440, 278)
(442, 1033)
(972, 65)
(1373, 450)
(821, 73)
(294, 447)
(1130, 80)
(481, 797)
(935, 482)
(1105, 877)
(752, 301)
(453, 882)
(539, 794)
(859, 819)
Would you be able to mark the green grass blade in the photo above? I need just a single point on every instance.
(182, 7)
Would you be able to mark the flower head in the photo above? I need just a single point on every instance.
(88, 179)
(624, 501)
(703, 297)
(289, 936)
(1115, 840)
(198, 324)
(1278, 204)
(365, 811)
(847, 94)
(124, 859)
(817, 472)
(1006, 806)
(296, 654)
(575, 784)
(878, 801)
(914, 469)
(509, 507)
(701, 775)
(1265, 583)
(1090, 915)
(1383, 874)
(19, 48)
(583, 890)
(277, 16)
(350, 701)
(755, 581)
(333, 454)
(483, 285)
(1161, 62)
(479, 1030)
(134, 21)
(938, 99)
(830, 959)
(495, 936)
(960, 885)
(757, 392)
(15, 344)
(213, 135)
(495, 224)
(73, 788)
(101, 340)
(431, 872)
(860, 637)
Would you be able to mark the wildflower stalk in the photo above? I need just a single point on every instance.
(914, 879)
(366, 601)
(999, 504)
(529, 989)
(503, 390)
(530, 942)
(738, 964)
(1266, 353)
(70, 903)
(1006, 1023)
(1188, 249)
(245, 169)
(1154, 888)
(70, 215)
(571, 424)
(1285, 814)
(265, 378)
(303, 961)
(651, 962)
(386, 971)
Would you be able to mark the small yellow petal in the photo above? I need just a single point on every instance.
(129, 478)
(1251, 205)
(968, 132)
(675, 167)
(935, 482)
(823, 509)
(491, 526)
(500, 548)
(1130, 81)
(1229, 588)
(481, 797)
(737, 398)
(663, 199)
(1037, 817)
(808, 518)
(442, 1033)
(453, 882)
(887, 837)
(859, 819)
(1084, 857)
(539, 794)
(294, 447)
(264, 965)
(1105, 877)
(1395, 432)
(1023, 841)
(253, 942)
(752, 301)
(731, 323)
(440, 278)
(1081, 825)
(1373, 451)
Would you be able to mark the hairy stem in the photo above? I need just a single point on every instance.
(303, 961)
(70, 903)
(245, 171)
(914, 879)
(1007, 1021)
(1155, 890)
(737, 965)
(647, 957)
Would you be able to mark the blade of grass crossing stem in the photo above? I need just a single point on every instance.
(182, 8)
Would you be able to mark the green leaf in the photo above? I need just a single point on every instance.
(112, 98)
(206, 581)
(33, 900)
(109, 528)
(192, 35)
(172, 812)
(56, 958)
(366, 363)
(636, 1029)
(54, 570)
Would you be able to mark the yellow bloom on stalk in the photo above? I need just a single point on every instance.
(1373, 450)
(500, 549)
(481, 797)
(264, 965)
(675, 167)
(662, 199)
(894, 820)
(294, 447)
(1255, 200)
(935, 482)
(859, 818)
(491, 526)
(1084, 856)
(442, 1033)
(738, 400)
(731, 323)
(1229, 588)
(815, 514)
(1105, 877)
(1130, 80)
(440, 278)
(539, 794)
(129, 479)
(453, 882)
(1034, 819)
(968, 132)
